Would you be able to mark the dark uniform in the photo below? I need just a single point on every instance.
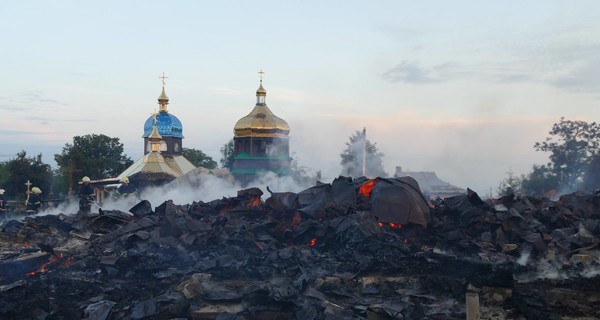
(86, 197)
(126, 190)
(3, 204)
(34, 202)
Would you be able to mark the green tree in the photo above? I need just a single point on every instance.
(592, 175)
(541, 180)
(199, 158)
(94, 155)
(513, 181)
(572, 146)
(227, 155)
(352, 157)
(22, 169)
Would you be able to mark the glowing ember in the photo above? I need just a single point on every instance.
(392, 225)
(53, 261)
(366, 188)
(313, 242)
(255, 202)
(395, 225)
(405, 241)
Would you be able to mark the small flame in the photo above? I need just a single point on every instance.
(44, 267)
(395, 225)
(366, 188)
(255, 202)
(313, 242)
(391, 224)
(405, 241)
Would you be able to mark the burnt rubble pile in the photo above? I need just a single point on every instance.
(352, 249)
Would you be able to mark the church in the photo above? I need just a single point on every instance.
(260, 142)
(163, 160)
(261, 145)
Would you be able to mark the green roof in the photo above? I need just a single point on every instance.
(256, 171)
(247, 156)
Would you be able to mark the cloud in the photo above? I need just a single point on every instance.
(410, 72)
(564, 58)
(37, 97)
(583, 77)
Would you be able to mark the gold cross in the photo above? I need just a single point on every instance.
(260, 73)
(28, 184)
(163, 79)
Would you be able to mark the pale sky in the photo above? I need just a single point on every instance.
(462, 88)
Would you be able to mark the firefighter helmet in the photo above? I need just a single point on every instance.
(36, 190)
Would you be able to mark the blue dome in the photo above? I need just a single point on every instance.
(167, 124)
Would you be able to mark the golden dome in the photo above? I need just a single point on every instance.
(261, 122)
(261, 90)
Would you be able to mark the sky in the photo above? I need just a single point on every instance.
(462, 88)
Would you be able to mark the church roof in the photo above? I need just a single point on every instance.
(432, 185)
(168, 125)
(261, 121)
(154, 163)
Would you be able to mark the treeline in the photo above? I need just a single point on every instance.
(574, 162)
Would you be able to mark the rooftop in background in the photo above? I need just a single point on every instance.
(431, 186)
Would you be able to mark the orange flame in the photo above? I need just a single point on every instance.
(44, 267)
(395, 225)
(392, 225)
(366, 188)
(313, 242)
(255, 202)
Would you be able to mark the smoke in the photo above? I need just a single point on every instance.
(559, 268)
(205, 187)
(372, 160)
(524, 258)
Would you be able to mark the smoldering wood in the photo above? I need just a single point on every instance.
(323, 253)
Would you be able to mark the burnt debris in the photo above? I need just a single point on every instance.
(352, 249)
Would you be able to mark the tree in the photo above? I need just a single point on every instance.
(572, 146)
(541, 180)
(22, 169)
(352, 157)
(511, 181)
(94, 155)
(199, 158)
(592, 175)
(227, 153)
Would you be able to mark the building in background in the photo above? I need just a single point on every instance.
(261, 142)
(431, 186)
(163, 160)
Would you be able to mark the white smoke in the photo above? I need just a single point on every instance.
(556, 269)
(205, 187)
(524, 258)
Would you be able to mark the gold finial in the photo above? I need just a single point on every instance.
(162, 78)
(260, 74)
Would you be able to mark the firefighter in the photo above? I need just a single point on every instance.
(33, 204)
(86, 195)
(3, 203)
(126, 189)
